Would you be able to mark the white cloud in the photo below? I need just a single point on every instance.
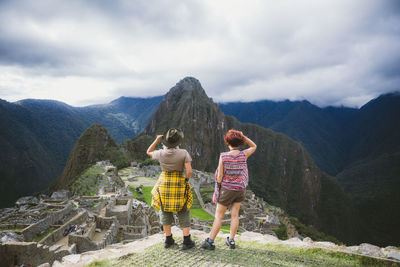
(329, 52)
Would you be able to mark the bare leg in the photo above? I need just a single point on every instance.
(167, 229)
(234, 218)
(186, 231)
(219, 215)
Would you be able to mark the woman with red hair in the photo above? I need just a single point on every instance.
(231, 181)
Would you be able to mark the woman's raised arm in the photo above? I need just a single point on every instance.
(153, 145)
(252, 146)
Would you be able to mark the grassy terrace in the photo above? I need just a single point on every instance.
(49, 231)
(197, 212)
(246, 254)
(200, 214)
(89, 182)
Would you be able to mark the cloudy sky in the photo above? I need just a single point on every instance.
(337, 52)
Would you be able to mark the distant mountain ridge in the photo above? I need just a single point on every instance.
(320, 130)
(37, 136)
(281, 170)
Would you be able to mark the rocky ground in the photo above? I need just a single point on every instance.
(253, 249)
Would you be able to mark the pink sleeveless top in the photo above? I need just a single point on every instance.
(236, 175)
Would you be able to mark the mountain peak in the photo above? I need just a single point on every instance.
(187, 84)
(184, 103)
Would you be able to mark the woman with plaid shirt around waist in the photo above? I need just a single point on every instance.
(172, 192)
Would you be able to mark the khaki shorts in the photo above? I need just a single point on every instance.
(167, 218)
(227, 197)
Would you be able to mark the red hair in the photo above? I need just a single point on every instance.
(234, 138)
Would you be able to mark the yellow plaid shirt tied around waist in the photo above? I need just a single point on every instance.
(172, 192)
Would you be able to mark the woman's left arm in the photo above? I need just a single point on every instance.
(188, 167)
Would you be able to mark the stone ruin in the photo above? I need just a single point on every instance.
(99, 233)
(45, 229)
(104, 221)
(147, 171)
(121, 208)
(145, 221)
(26, 249)
(254, 217)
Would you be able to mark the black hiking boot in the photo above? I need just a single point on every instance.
(188, 243)
(230, 243)
(169, 241)
(207, 245)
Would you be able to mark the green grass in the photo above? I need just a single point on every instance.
(147, 194)
(281, 232)
(103, 263)
(145, 197)
(200, 214)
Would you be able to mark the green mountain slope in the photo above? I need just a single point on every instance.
(38, 135)
(281, 171)
(22, 171)
(95, 144)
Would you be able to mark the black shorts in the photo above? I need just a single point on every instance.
(227, 197)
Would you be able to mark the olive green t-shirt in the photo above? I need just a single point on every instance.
(172, 159)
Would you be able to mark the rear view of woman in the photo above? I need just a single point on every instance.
(231, 182)
(172, 192)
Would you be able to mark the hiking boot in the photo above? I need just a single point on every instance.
(230, 243)
(207, 245)
(169, 241)
(187, 243)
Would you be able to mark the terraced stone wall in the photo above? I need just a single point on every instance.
(121, 208)
(24, 253)
(58, 234)
(41, 226)
(85, 243)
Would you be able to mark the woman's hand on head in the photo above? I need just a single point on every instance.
(153, 145)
